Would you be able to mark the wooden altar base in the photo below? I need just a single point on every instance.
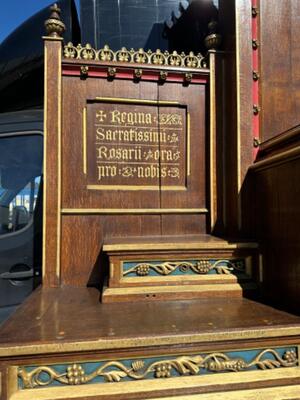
(173, 267)
(155, 349)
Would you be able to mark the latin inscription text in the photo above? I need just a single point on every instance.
(139, 144)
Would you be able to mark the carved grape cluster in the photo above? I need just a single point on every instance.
(226, 365)
(142, 269)
(163, 370)
(203, 267)
(76, 375)
(290, 356)
(239, 365)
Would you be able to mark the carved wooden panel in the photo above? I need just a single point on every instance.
(137, 138)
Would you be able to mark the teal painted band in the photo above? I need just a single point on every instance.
(100, 372)
(184, 267)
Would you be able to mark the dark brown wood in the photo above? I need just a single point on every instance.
(272, 206)
(271, 197)
(234, 111)
(279, 51)
(56, 316)
(285, 141)
(75, 194)
(81, 258)
(51, 237)
(51, 320)
(70, 324)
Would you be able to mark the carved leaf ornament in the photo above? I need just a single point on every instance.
(140, 56)
(115, 371)
(201, 267)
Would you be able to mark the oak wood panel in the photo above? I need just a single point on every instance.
(194, 96)
(285, 141)
(67, 308)
(280, 61)
(226, 104)
(51, 258)
(83, 235)
(74, 193)
(82, 262)
(177, 243)
(272, 206)
(234, 110)
(56, 317)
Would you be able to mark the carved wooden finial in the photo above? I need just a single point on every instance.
(54, 25)
(213, 39)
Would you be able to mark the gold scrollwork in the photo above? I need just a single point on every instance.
(201, 267)
(140, 56)
(115, 371)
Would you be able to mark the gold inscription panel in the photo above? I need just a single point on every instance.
(136, 145)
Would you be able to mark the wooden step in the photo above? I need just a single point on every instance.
(64, 344)
(170, 267)
(178, 292)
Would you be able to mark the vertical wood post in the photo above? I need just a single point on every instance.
(212, 141)
(212, 42)
(52, 149)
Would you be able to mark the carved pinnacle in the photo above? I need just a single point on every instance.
(54, 25)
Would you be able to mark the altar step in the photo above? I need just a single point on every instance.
(178, 292)
(70, 346)
(178, 268)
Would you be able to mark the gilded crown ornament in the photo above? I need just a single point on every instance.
(140, 56)
(54, 25)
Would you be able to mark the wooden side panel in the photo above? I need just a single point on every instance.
(52, 160)
(234, 110)
(272, 206)
(227, 120)
(271, 192)
(280, 66)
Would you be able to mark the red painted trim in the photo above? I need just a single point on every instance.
(255, 85)
(101, 72)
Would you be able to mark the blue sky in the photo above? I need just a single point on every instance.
(14, 12)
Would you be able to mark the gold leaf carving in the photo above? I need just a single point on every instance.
(115, 371)
(139, 56)
(201, 267)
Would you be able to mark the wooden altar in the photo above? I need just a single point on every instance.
(140, 298)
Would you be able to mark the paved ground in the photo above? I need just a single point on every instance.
(5, 313)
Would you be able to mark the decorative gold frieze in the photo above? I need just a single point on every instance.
(115, 371)
(201, 267)
(140, 56)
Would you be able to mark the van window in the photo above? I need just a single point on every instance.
(21, 158)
